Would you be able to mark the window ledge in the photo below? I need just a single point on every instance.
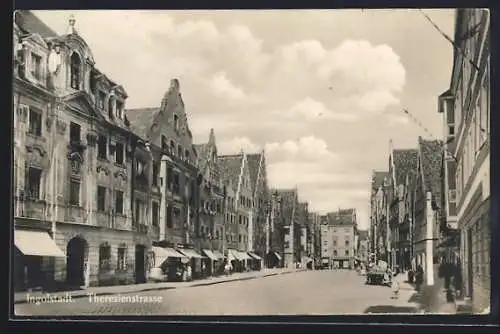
(75, 206)
(121, 165)
(102, 159)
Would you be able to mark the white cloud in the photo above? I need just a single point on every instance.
(311, 110)
(397, 119)
(224, 88)
(236, 145)
(305, 149)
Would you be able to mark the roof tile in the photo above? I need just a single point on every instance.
(431, 155)
(141, 120)
(405, 160)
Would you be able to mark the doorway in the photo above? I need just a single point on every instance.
(140, 268)
(76, 261)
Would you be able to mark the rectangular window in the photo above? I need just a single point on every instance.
(346, 252)
(102, 147)
(119, 153)
(34, 181)
(104, 257)
(156, 214)
(169, 217)
(101, 198)
(122, 259)
(35, 121)
(74, 192)
(119, 202)
(176, 183)
(119, 109)
(74, 133)
(36, 66)
(156, 172)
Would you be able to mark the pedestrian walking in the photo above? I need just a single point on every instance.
(395, 284)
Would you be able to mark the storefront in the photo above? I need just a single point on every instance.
(219, 265)
(209, 263)
(255, 262)
(274, 260)
(166, 264)
(195, 261)
(34, 260)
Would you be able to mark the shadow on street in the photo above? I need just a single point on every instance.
(414, 298)
(390, 309)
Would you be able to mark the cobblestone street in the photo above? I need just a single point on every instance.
(302, 293)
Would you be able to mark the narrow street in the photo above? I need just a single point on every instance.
(302, 293)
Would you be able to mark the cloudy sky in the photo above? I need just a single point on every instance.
(321, 90)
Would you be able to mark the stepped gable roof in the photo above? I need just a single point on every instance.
(341, 217)
(431, 155)
(230, 167)
(141, 120)
(253, 166)
(31, 24)
(378, 179)
(405, 160)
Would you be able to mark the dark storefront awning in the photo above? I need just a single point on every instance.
(210, 254)
(37, 243)
(275, 254)
(255, 256)
(190, 253)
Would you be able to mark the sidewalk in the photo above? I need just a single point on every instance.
(432, 300)
(21, 297)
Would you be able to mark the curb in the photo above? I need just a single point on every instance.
(24, 301)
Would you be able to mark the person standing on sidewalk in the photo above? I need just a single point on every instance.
(419, 278)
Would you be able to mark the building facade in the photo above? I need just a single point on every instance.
(235, 170)
(73, 164)
(261, 197)
(402, 164)
(469, 105)
(363, 246)
(344, 232)
(378, 222)
(427, 206)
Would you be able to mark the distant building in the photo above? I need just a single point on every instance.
(428, 209)
(378, 222)
(344, 231)
(261, 197)
(213, 210)
(314, 236)
(303, 217)
(236, 172)
(363, 246)
(402, 165)
(287, 218)
(327, 244)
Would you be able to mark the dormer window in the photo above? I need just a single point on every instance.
(119, 109)
(179, 151)
(172, 147)
(75, 63)
(164, 143)
(101, 98)
(111, 107)
(176, 123)
(36, 66)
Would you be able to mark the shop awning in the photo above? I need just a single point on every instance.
(190, 253)
(276, 254)
(255, 256)
(218, 254)
(37, 243)
(162, 254)
(308, 259)
(210, 254)
(242, 256)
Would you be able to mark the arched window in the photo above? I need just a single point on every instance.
(111, 107)
(176, 123)
(76, 64)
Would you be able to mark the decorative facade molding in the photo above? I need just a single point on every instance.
(61, 127)
(104, 169)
